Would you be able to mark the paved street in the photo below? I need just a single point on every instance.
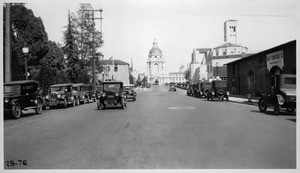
(160, 129)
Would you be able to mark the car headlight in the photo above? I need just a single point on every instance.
(213, 93)
(58, 95)
(103, 94)
(6, 100)
(47, 96)
(227, 92)
(117, 94)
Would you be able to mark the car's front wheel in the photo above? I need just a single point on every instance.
(65, 103)
(74, 102)
(99, 105)
(88, 99)
(123, 104)
(16, 111)
(261, 105)
(276, 109)
(39, 107)
(77, 101)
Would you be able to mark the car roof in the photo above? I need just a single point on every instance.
(78, 84)
(63, 84)
(128, 85)
(21, 82)
(112, 82)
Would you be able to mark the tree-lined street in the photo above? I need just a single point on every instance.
(160, 129)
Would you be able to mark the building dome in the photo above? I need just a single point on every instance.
(155, 50)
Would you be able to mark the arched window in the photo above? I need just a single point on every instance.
(156, 69)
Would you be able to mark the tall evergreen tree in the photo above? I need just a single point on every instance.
(75, 66)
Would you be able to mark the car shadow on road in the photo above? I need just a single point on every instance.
(24, 115)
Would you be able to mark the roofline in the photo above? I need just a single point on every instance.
(107, 82)
(21, 82)
(266, 51)
(63, 84)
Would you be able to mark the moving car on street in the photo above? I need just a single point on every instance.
(282, 96)
(218, 90)
(62, 95)
(112, 95)
(172, 87)
(129, 92)
(22, 95)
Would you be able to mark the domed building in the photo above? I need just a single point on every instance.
(155, 65)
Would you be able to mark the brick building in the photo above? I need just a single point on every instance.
(258, 72)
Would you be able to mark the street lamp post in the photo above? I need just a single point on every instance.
(25, 51)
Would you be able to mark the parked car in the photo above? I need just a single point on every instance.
(218, 90)
(82, 92)
(111, 95)
(196, 89)
(62, 95)
(190, 91)
(90, 93)
(282, 96)
(129, 92)
(205, 88)
(22, 95)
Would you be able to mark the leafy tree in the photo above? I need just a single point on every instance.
(46, 62)
(26, 30)
(75, 66)
(187, 74)
(52, 67)
(85, 29)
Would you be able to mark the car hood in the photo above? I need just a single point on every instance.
(7, 95)
(289, 91)
(57, 92)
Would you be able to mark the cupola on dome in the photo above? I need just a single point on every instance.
(155, 50)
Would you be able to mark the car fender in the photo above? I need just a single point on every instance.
(13, 102)
(280, 99)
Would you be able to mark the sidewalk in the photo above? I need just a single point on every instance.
(243, 99)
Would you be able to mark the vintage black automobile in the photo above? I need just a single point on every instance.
(282, 96)
(196, 89)
(61, 95)
(190, 91)
(112, 94)
(90, 93)
(129, 92)
(218, 90)
(172, 87)
(82, 92)
(205, 88)
(22, 95)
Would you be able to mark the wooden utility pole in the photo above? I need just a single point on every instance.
(7, 77)
(93, 40)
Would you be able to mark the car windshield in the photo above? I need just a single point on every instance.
(112, 87)
(58, 89)
(206, 85)
(12, 89)
(129, 87)
(221, 83)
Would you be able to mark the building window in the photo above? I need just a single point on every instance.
(108, 68)
(116, 68)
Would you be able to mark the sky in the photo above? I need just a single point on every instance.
(179, 26)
